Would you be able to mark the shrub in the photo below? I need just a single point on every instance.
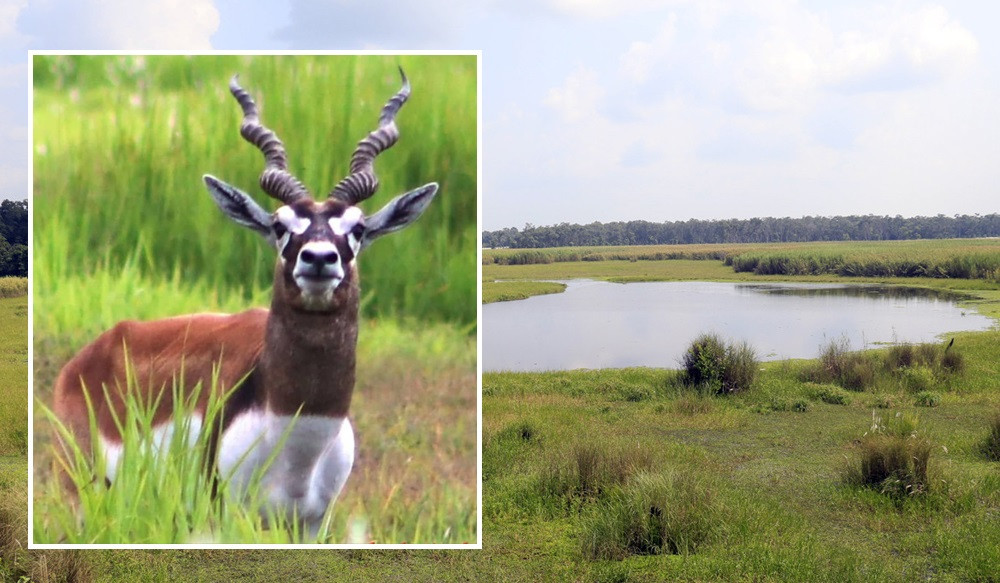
(654, 514)
(892, 458)
(918, 378)
(710, 362)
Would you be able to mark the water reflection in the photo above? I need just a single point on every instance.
(598, 324)
(857, 291)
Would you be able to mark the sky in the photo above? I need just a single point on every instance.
(608, 110)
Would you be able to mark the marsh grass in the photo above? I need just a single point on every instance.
(991, 445)
(892, 458)
(912, 368)
(589, 471)
(935, 259)
(12, 287)
(665, 513)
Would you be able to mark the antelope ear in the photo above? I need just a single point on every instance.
(398, 213)
(238, 206)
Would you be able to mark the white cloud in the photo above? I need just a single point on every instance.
(780, 56)
(579, 97)
(120, 24)
(897, 50)
(9, 11)
(373, 24)
(642, 56)
(602, 9)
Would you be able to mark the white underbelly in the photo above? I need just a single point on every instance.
(316, 457)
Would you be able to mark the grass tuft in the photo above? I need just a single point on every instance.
(591, 470)
(892, 458)
(991, 445)
(668, 513)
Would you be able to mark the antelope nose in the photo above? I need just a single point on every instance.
(318, 257)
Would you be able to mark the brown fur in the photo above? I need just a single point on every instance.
(290, 358)
(157, 352)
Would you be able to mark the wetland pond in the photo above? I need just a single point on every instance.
(596, 324)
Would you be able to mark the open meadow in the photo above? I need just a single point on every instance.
(124, 229)
(873, 465)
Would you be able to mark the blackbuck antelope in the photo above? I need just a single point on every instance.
(292, 366)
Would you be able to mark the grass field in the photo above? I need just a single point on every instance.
(782, 262)
(124, 228)
(763, 485)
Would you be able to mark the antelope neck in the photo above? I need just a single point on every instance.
(309, 357)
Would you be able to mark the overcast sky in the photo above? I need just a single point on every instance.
(600, 110)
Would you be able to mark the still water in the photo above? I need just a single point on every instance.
(596, 324)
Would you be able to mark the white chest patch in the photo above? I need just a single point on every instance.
(305, 476)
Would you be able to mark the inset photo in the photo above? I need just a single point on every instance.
(255, 300)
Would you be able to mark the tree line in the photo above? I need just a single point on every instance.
(14, 238)
(757, 230)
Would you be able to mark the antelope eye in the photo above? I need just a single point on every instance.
(279, 229)
(358, 230)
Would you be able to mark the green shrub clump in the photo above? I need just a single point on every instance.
(723, 368)
(892, 458)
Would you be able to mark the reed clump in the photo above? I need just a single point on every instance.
(591, 470)
(667, 513)
(991, 445)
(914, 368)
(892, 458)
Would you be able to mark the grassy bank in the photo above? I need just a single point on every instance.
(887, 262)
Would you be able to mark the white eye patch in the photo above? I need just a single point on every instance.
(344, 225)
(293, 222)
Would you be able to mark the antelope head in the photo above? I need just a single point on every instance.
(318, 241)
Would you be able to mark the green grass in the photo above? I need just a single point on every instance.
(13, 374)
(415, 420)
(505, 291)
(121, 144)
(775, 503)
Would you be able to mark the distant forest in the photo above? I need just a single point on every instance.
(761, 230)
(14, 238)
